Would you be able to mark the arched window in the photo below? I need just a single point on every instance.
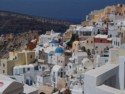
(118, 43)
(70, 67)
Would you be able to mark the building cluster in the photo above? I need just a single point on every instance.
(93, 63)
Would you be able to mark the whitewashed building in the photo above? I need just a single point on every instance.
(28, 73)
(57, 73)
(109, 78)
(44, 39)
(57, 57)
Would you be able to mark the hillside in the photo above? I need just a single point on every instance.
(11, 22)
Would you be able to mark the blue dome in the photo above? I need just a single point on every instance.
(54, 41)
(50, 54)
(59, 50)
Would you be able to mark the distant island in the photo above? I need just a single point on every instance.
(11, 22)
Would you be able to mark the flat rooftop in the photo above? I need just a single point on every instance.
(101, 70)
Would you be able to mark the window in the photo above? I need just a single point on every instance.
(3, 71)
(58, 73)
(31, 56)
(70, 67)
(23, 70)
(106, 61)
(43, 68)
(110, 35)
(3, 65)
(114, 42)
(15, 57)
(118, 43)
(64, 73)
(91, 41)
(61, 74)
(54, 79)
(28, 69)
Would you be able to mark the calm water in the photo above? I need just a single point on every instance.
(70, 10)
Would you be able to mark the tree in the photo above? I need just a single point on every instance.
(73, 38)
(59, 40)
(69, 44)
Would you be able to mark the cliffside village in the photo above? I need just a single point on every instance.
(88, 58)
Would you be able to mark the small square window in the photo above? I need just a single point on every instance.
(28, 69)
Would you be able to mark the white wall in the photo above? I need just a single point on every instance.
(107, 90)
(101, 46)
(122, 72)
(101, 61)
(116, 41)
(94, 79)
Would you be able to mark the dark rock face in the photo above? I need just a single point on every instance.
(17, 23)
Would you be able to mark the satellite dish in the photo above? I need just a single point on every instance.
(87, 64)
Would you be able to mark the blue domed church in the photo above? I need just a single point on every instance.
(57, 56)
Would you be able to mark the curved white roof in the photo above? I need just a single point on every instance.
(88, 28)
(87, 63)
(7, 82)
(101, 36)
(24, 66)
(56, 68)
(85, 60)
